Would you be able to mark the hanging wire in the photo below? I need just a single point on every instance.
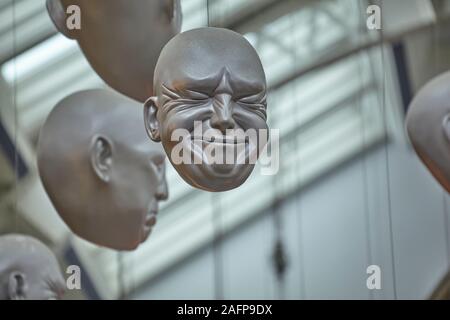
(121, 276)
(298, 203)
(217, 246)
(216, 221)
(208, 21)
(16, 118)
(279, 257)
(386, 146)
(131, 274)
(278, 254)
(364, 168)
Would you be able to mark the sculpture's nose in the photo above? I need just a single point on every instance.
(222, 118)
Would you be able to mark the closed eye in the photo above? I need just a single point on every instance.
(257, 98)
(168, 93)
(185, 94)
(256, 103)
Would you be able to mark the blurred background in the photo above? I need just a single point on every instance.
(350, 192)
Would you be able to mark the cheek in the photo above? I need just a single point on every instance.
(135, 180)
(260, 124)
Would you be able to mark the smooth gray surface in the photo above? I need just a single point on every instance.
(122, 39)
(99, 169)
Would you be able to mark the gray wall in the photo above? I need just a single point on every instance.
(333, 230)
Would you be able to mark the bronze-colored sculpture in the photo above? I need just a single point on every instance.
(28, 270)
(121, 39)
(428, 126)
(214, 78)
(102, 174)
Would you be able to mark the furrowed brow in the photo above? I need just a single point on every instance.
(168, 93)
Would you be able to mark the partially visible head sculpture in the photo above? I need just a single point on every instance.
(209, 80)
(28, 270)
(102, 174)
(428, 126)
(121, 39)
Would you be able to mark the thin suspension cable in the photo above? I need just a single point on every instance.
(297, 169)
(121, 276)
(364, 169)
(217, 247)
(216, 222)
(16, 120)
(386, 146)
(278, 256)
(208, 17)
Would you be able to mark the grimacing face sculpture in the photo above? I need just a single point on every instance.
(214, 77)
(102, 174)
(121, 39)
(428, 126)
(28, 270)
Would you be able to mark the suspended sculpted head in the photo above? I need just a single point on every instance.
(121, 39)
(102, 174)
(209, 87)
(28, 270)
(428, 126)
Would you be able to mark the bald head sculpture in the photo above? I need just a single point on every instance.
(121, 39)
(28, 270)
(208, 80)
(102, 174)
(428, 126)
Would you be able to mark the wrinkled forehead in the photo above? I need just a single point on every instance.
(201, 59)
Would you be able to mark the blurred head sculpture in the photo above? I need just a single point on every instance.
(102, 174)
(121, 39)
(209, 80)
(428, 126)
(28, 270)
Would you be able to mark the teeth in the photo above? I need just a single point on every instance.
(228, 140)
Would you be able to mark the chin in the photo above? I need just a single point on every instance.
(145, 234)
(215, 178)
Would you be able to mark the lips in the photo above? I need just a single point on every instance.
(235, 148)
(150, 220)
(221, 139)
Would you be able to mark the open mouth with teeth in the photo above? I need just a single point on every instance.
(221, 139)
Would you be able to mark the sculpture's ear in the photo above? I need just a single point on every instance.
(446, 126)
(172, 10)
(150, 119)
(102, 157)
(58, 16)
(169, 8)
(17, 286)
